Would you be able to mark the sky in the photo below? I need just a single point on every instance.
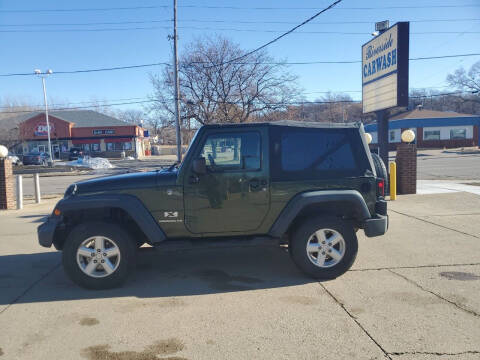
(442, 27)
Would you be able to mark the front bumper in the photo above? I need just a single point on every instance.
(376, 226)
(46, 231)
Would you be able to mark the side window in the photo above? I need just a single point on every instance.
(232, 151)
(458, 134)
(308, 154)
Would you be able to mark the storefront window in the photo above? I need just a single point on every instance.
(431, 135)
(96, 147)
(458, 134)
(392, 135)
(119, 146)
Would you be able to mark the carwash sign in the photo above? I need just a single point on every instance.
(385, 69)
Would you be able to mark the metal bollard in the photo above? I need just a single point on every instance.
(36, 185)
(393, 180)
(19, 192)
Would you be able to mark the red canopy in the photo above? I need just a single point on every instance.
(85, 141)
(117, 140)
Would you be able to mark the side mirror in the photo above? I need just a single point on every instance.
(199, 166)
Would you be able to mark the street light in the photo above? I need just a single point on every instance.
(43, 76)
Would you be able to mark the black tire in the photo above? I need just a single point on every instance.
(300, 256)
(123, 241)
(381, 170)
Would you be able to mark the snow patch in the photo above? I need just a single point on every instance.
(92, 163)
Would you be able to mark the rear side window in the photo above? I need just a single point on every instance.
(316, 153)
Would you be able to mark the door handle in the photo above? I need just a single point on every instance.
(254, 184)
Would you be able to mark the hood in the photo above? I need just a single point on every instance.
(122, 182)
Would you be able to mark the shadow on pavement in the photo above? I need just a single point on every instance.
(37, 218)
(181, 273)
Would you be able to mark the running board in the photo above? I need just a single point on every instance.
(215, 243)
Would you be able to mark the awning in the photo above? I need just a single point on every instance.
(117, 140)
(85, 141)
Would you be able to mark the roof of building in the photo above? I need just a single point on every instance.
(427, 118)
(426, 114)
(81, 118)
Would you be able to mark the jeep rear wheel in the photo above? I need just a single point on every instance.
(98, 255)
(324, 248)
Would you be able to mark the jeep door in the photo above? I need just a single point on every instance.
(233, 195)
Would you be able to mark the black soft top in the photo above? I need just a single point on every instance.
(293, 123)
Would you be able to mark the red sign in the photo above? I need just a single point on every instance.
(41, 129)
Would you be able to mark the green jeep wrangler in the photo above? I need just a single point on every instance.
(311, 184)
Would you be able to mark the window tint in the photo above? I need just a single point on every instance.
(306, 153)
(237, 151)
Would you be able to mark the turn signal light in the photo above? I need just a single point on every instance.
(56, 212)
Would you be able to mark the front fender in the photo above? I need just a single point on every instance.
(130, 204)
(300, 201)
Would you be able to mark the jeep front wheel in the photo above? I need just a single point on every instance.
(98, 255)
(324, 248)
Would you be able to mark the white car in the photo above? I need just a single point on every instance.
(14, 159)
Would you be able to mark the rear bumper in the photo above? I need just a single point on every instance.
(46, 231)
(376, 226)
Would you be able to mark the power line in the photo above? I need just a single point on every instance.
(231, 8)
(80, 107)
(226, 21)
(135, 28)
(233, 102)
(94, 103)
(94, 70)
(82, 9)
(100, 103)
(236, 62)
(284, 34)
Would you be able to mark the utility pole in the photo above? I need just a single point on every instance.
(177, 84)
(43, 75)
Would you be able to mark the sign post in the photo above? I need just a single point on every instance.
(385, 77)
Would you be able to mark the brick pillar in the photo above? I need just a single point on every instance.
(406, 168)
(7, 192)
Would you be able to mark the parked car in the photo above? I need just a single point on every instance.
(35, 158)
(14, 159)
(75, 153)
(312, 185)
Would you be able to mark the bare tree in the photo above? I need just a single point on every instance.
(220, 82)
(132, 116)
(11, 115)
(466, 81)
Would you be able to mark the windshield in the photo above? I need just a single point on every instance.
(179, 166)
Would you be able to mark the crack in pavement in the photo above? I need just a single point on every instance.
(414, 267)
(433, 223)
(30, 287)
(434, 353)
(471, 312)
(356, 321)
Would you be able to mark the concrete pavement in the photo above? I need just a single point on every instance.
(412, 294)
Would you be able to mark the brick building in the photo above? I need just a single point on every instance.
(97, 134)
(433, 129)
